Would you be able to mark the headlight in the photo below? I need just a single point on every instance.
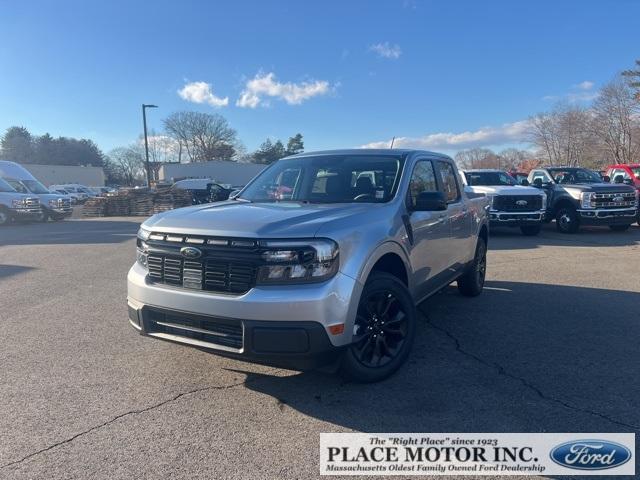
(141, 254)
(585, 199)
(17, 203)
(544, 201)
(143, 234)
(298, 261)
(490, 197)
(53, 203)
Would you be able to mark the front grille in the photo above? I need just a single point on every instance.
(614, 200)
(64, 203)
(218, 331)
(32, 202)
(212, 274)
(517, 203)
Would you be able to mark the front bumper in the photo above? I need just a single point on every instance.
(283, 325)
(289, 344)
(25, 214)
(618, 216)
(60, 211)
(515, 219)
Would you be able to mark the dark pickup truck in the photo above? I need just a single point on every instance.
(578, 196)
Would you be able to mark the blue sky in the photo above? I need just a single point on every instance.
(443, 75)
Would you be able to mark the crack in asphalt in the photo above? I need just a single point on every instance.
(131, 412)
(502, 371)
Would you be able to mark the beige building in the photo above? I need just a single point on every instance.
(220, 171)
(61, 174)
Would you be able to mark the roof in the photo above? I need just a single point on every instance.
(368, 151)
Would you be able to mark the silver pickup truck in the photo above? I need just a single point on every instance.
(320, 259)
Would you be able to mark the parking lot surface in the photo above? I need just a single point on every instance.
(550, 346)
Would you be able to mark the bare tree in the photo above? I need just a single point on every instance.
(617, 121)
(563, 136)
(204, 136)
(477, 158)
(128, 163)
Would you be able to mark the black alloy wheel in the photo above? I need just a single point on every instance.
(380, 331)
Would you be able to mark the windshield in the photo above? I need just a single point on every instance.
(489, 178)
(35, 186)
(636, 171)
(574, 175)
(17, 186)
(328, 179)
(5, 187)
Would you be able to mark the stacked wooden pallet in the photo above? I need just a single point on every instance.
(140, 202)
(95, 207)
(137, 202)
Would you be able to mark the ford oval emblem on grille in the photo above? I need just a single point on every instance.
(522, 203)
(590, 454)
(191, 252)
(618, 199)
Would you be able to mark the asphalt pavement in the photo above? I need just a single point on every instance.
(550, 346)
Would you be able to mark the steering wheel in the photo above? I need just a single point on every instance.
(364, 196)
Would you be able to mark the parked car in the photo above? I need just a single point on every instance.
(80, 194)
(625, 173)
(73, 197)
(510, 205)
(53, 205)
(204, 190)
(332, 273)
(17, 206)
(577, 196)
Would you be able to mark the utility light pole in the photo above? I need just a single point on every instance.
(146, 143)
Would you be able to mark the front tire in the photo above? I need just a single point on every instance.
(619, 228)
(383, 332)
(5, 218)
(42, 217)
(567, 220)
(471, 283)
(530, 230)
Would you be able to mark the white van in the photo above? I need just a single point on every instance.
(54, 206)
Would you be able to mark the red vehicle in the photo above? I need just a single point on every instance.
(625, 173)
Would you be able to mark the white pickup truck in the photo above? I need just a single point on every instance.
(510, 204)
(16, 206)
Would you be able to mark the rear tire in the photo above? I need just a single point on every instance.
(567, 220)
(471, 283)
(383, 332)
(619, 228)
(530, 230)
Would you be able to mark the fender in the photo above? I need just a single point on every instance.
(378, 252)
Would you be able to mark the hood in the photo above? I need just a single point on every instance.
(45, 197)
(253, 220)
(599, 187)
(505, 190)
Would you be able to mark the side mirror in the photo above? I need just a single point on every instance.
(606, 179)
(430, 202)
(537, 182)
(524, 182)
